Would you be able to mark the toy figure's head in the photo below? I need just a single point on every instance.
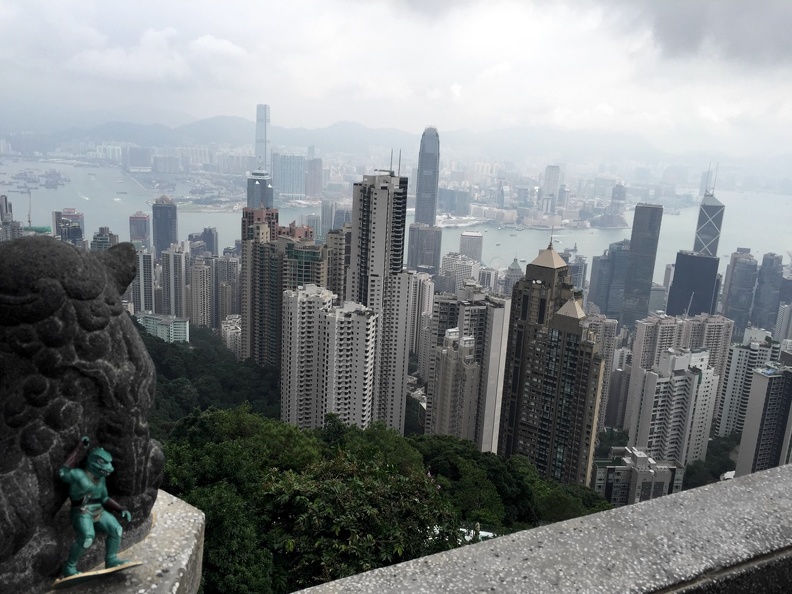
(100, 462)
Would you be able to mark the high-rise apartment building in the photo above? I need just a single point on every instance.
(260, 193)
(165, 225)
(376, 280)
(708, 228)
(103, 240)
(204, 243)
(605, 334)
(767, 432)
(328, 214)
(767, 297)
(174, 280)
(423, 250)
(201, 294)
(738, 288)
(783, 325)
(262, 138)
(641, 262)
(329, 359)
(231, 333)
(421, 300)
(459, 268)
(756, 349)
(696, 285)
(338, 244)
(428, 178)
(630, 475)
(143, 285)
(140, 230)
(553, 375)
(471, 244)
(674, 406)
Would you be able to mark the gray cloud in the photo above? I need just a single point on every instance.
(750, 33)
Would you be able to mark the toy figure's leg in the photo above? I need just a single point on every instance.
(84, 531)
(110, 526)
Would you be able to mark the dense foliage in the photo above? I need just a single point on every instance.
(717, 462)
(203, 373)
(286, 508)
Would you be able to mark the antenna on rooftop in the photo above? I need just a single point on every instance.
(399, 172)
(391, 162)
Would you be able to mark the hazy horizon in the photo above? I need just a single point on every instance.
(687, 77)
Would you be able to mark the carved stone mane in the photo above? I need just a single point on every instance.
(71, 364)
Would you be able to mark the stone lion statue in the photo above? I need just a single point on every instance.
(71, 364)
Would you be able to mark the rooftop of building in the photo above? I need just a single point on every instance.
(549, 258)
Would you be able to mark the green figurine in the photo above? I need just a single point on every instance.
(90, 502)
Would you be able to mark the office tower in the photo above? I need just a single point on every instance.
(552, 180)
(514, 273)
(484, 318)
(767, 297)
(71, 215)
(274, 258)
(313, 220)
(376, 280)
(564, 194)
(201, 294)
(471, 244)
(428, 178)
(553, 375)
(337, 242)
(260, 193)
(608, 273)
(143, 284)
(206, 240)
(328, 214)
(696, 285)
(460, 268)
(708, 228)
(342, 215)
(641, 262)
(765, 441)
(452, 392)
(262, 140)
(657, 298)
(488, 278)
(738, 288)
(668, 276)
(329, 358)
(421, 300)
(423, 249)
(174, 281)
(630, 475)
(165, 225)
(140, 230)
(675, 405)
(604, 331)
(313, 178)
(756, 349)
(288, 176)
(103, 240)
(618, 199)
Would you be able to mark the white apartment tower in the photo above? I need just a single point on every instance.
(143, 285)
(201, 294)
(756, 349)
(174, 281)
(329, 359)
(376, 280)
(461, 267)
(675, 401)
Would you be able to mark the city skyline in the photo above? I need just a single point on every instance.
(687, 77)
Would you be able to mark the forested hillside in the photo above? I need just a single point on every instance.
(288, 508)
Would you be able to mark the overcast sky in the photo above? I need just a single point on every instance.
(688, 75)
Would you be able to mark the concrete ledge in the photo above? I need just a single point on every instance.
(172, 554)
(729, 537)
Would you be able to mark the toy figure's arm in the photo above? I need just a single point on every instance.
(73, 459)
(113, 505)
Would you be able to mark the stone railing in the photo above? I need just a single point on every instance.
(733, 537)
(172, 554)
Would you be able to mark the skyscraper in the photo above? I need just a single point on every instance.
(262, 140)
(288, 176)
(696, 285)
(423, 249)
(140, 230)
(552, 180)
(553, 375)
(641, 262)
(428, 177)
(376, 280)
(103, 240)
(260, 193)
(708, 229)
(143, 284)
(165, 226)
(738, 288)
(175, 264)
(767, 297)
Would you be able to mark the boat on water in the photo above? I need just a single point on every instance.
(497, 244)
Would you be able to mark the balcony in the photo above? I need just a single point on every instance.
(732, 537)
